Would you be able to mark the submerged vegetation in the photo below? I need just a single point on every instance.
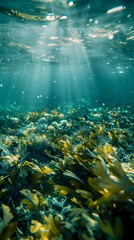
(67, 173)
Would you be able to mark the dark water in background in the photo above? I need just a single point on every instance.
(52, 53)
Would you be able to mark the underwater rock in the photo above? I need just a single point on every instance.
(42, 120)
(41, 125)
(55, 124)
(41, 128)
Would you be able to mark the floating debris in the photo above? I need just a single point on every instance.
(115, 9)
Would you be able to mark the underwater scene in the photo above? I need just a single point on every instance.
(66, 119)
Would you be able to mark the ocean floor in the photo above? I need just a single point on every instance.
(67, 173)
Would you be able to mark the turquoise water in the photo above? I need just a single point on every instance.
(66, 52)
(66, 119)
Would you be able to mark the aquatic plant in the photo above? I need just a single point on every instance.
(7, 227)
(74, 180)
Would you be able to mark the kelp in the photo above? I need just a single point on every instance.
(7, 228)
(67, 174)
(112, 183)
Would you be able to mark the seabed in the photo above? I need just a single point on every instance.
(67, 173)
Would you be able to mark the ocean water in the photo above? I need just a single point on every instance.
(66, 119)
(65, 52)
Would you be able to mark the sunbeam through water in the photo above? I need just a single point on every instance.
(66, 119)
